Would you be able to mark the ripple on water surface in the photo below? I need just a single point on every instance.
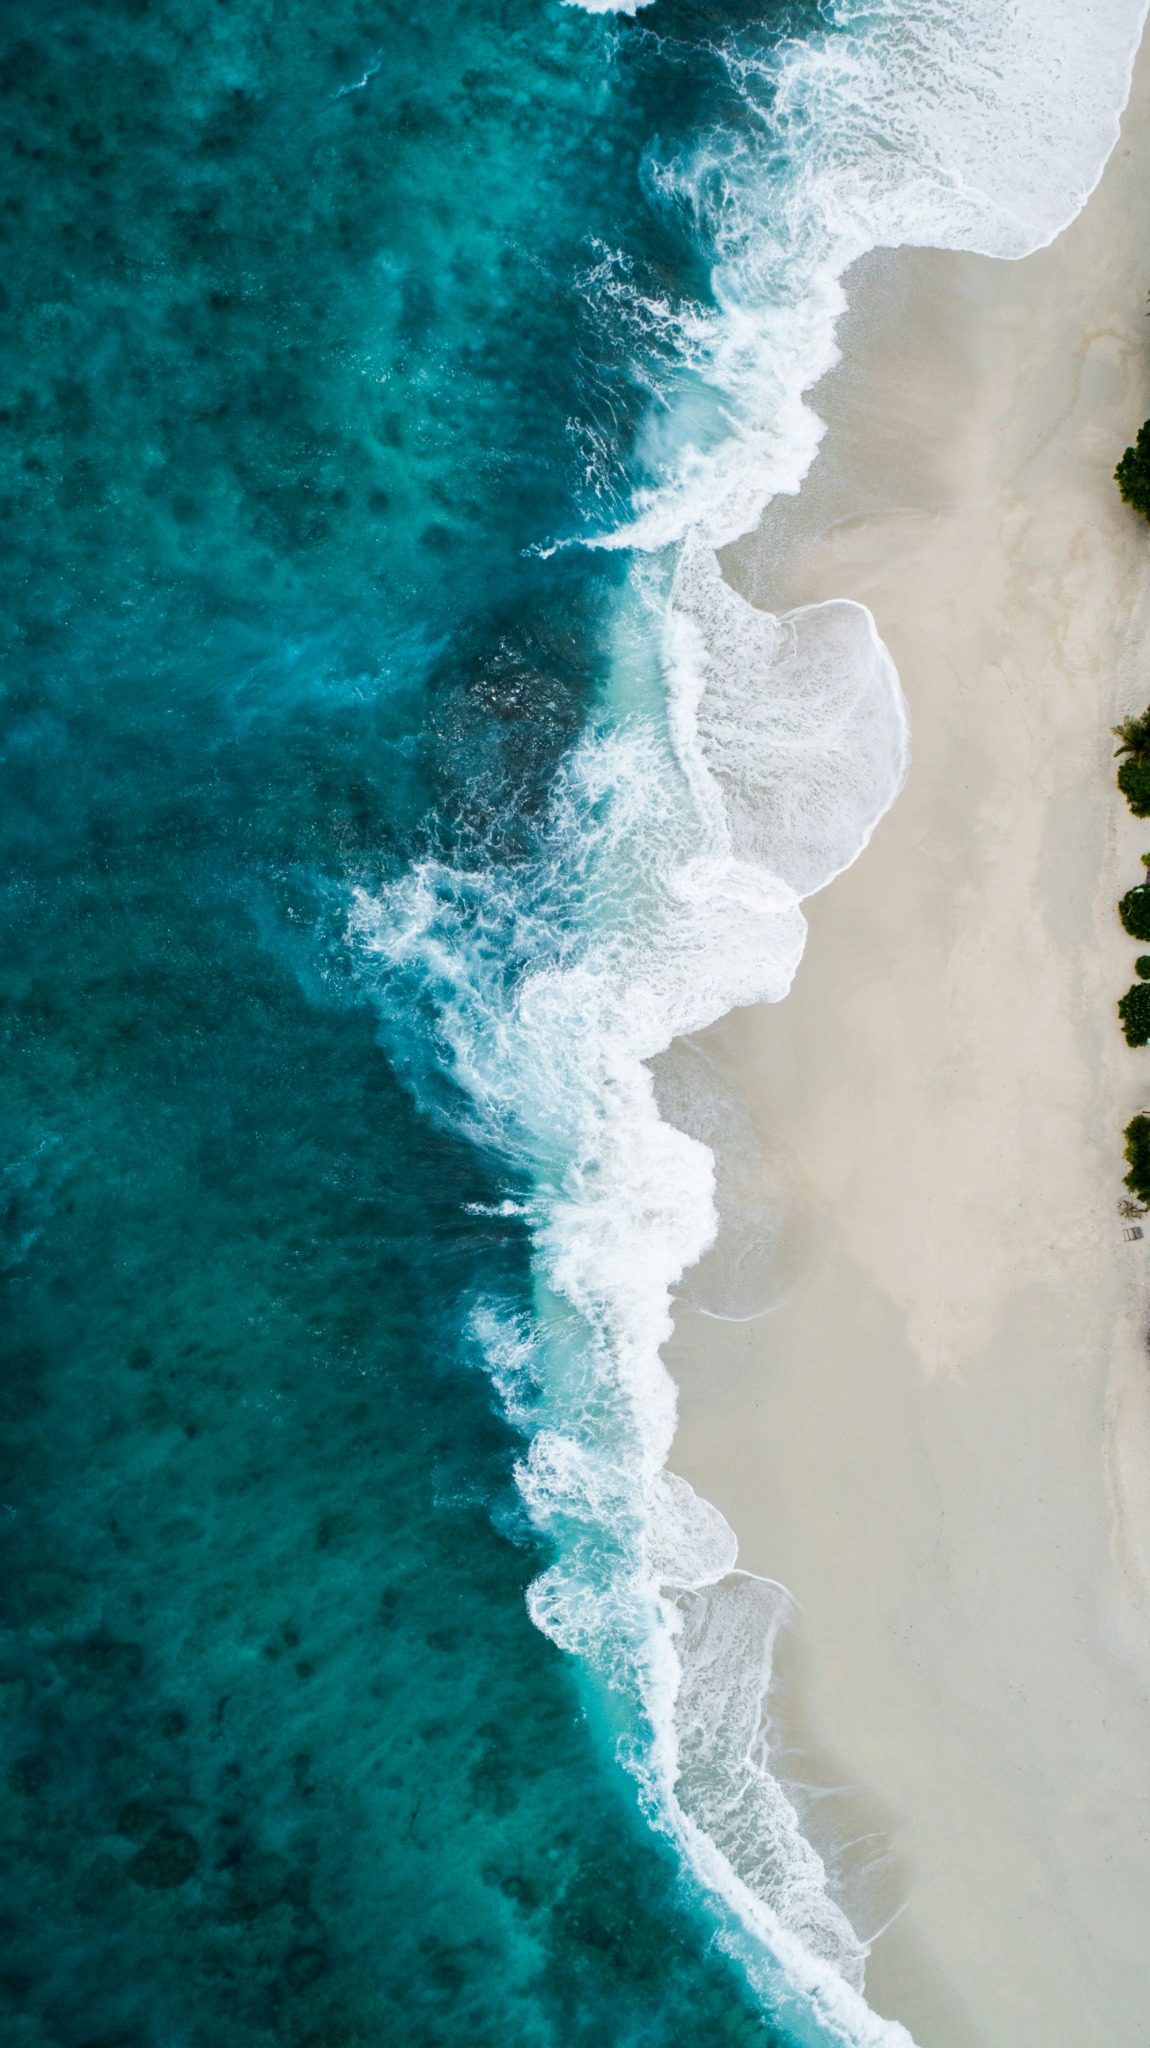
(284, 397)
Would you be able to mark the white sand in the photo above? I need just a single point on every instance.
(941, 1443)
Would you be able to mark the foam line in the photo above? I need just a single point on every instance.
(667, 886)
(673, 866)
(980, 125)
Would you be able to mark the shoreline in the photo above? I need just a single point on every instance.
(941, 1441)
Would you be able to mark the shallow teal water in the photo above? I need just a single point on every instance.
(289, 364)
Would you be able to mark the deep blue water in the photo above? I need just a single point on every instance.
(296, 320)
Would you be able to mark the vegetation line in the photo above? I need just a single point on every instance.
(1133, 735)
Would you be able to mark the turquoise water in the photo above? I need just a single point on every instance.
(286, 379)
(389, 777)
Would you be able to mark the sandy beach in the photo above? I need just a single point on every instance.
(940, 1443)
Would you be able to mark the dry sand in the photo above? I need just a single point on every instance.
(941, 1442)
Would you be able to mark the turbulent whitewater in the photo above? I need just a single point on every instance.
(393, 789)
(737, 764)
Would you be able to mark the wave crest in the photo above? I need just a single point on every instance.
(666, 884)
(980, 125)
(665, 889)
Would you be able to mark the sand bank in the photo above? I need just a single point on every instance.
(941, 1442)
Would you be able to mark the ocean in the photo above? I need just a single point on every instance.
(392, 786)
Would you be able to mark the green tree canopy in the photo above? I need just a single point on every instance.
(1134, 910)
(1134, 734)
(1134, 782)
(1134, 1010)
(1132, 475)
(1138, 1157)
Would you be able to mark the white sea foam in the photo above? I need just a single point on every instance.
(667, 891)
(799, 722)
(609, 6)
(650, 910)
(980, 125)
(759, 1246)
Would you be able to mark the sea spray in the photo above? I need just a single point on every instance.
(322, 332)
(922, 123)
(665, 888)
(681, 836)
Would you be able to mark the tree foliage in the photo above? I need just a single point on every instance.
(1138, 1157)
(1132, 475)
(1134, 1010)
(1134, 734)
(1134, 782)
(1134, 910)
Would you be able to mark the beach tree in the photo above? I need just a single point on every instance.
(1133, 736)
(1138, 1156)
(1134, 910)
(1134, 1010)
(1134, 782)
(1132, 475)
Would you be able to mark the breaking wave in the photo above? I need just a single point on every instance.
(742, 762)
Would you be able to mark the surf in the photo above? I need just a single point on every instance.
(736, 764)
